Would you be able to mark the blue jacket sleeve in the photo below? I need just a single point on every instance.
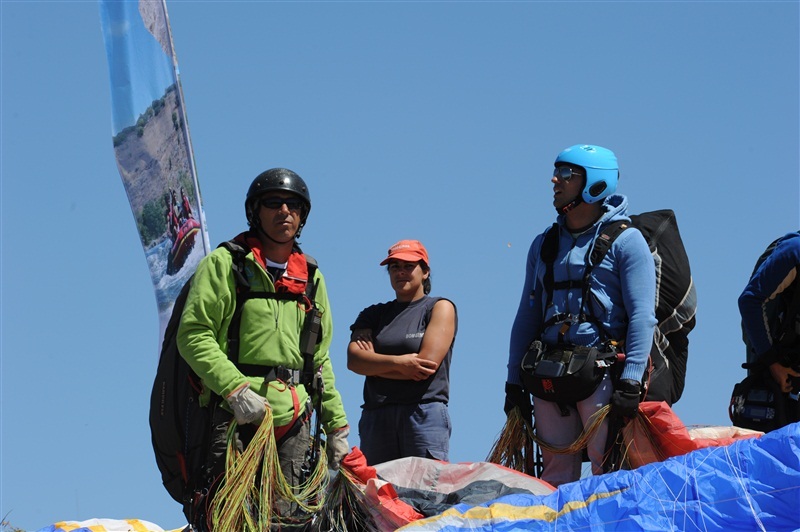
(528, 321)
(774, 275)
(638, 283)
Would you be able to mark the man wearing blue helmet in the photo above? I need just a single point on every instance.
(572, 310)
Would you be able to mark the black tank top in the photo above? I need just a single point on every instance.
(397, 329)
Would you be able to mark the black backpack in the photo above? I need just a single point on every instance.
(180, 428)
(676, 297)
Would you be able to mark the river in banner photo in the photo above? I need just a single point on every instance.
(168, 285)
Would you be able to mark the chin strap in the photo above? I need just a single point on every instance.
(571, 205)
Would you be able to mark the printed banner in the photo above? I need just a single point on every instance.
(152, 144)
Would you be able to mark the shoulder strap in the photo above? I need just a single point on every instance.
(603, 242)
(311, 287)
(550, 244)
(238, 254)
(548, 254)
(311, 334)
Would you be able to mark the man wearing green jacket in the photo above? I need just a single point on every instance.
(269, 373)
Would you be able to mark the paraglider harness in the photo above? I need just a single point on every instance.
(676, 298)
(566, 374)
(181, 429)
(758, 402)
(676, 306)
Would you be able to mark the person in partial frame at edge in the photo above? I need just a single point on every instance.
(771, 324)
(277, 207)
(404, 348)
(621, 307)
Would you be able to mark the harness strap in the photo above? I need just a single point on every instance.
(568, 284)
(292, 377)
(300, 415)
(558, 318)
(548, 254)
(602, 245)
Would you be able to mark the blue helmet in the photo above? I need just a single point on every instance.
(600, 164)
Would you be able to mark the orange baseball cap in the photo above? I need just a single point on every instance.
(407, 250)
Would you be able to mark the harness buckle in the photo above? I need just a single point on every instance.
(288, 375)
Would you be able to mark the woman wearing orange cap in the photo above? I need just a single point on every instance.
(404, 347)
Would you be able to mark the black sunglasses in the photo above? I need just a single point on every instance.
(293, 204)
(565, 173)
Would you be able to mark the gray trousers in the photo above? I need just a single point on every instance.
(292, 449)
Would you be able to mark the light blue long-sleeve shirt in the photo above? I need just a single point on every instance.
(622, 294)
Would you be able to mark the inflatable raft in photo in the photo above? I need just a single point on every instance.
(183, 244)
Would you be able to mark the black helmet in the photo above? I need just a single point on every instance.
(276, 179)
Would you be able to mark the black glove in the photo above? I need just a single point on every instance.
(625, 399)
(517, 396)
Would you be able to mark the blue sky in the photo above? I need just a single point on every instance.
(149, 69)
(430, 120)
